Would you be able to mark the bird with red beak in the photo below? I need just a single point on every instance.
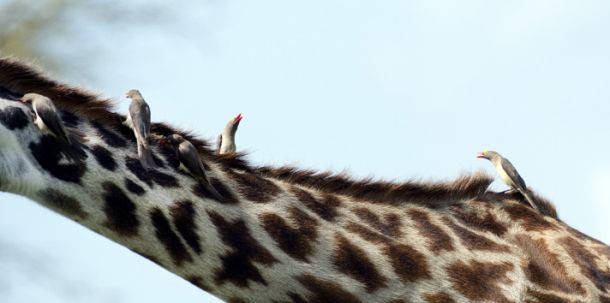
(508, 174)
(226, 140)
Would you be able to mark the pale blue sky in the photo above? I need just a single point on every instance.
(392, 89)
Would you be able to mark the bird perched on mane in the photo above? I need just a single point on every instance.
(190, 162)
(508, 174)
(226, 140)
(138, 120)
(47, 119)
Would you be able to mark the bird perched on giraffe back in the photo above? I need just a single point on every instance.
(190, 162)
(226, 140)
(47, 119)
(508, 174)
(138, 119)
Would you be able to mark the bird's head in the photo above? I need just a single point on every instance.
(488, 154)
(235, 121)
(231, 127)
(133, 93)
(238, 118)
(30, 97)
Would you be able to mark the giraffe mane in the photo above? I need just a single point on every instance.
(464, 187)
(17, 78)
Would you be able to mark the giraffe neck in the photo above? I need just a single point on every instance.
(281, 235)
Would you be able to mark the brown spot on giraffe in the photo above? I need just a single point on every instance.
(326, 209)
(103, 157)
(227, 196)
(70, 119)
(538, 297)
(109, 137)
(325, 291)
(185, 216)
(440, 297)
(438, 240)
(586, 261)
(297, 242)
(254, 187)
(237, 267)
(485, 222)
(48, 154)
(150, 177)
(134, 187)
(64, 203)
(544, 268)
(603, 250)
(391, 226)
(473, 240)
(367, 233)
(528, 218)
(169, 238)
(478, 281)
(354, 262)
(579, 235)
(409, 264)
(14, 118)
(296, 298)
(120, 211)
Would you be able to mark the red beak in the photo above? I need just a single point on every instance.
(238, 118)
(480, 155)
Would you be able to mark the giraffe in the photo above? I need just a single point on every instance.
(281, 234)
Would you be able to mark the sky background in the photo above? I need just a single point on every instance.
(393, 89)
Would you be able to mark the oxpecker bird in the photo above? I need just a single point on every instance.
(138, 120)
(48, 121)
(191, 162)
(226, 140)
(508, 174)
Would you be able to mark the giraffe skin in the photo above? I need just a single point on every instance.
(280, 235)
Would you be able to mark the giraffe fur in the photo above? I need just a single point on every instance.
(287, 235)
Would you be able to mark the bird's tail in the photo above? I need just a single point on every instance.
(529, 199)
(209, 189)
(76, 135)
(145, 155)
(75, 150)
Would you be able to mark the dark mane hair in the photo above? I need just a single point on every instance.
(428, 193)
(17, 79)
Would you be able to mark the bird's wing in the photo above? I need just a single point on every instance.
(219, 143)
(140, 118)
(512, 173)
(48, 114)
(190, 158)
